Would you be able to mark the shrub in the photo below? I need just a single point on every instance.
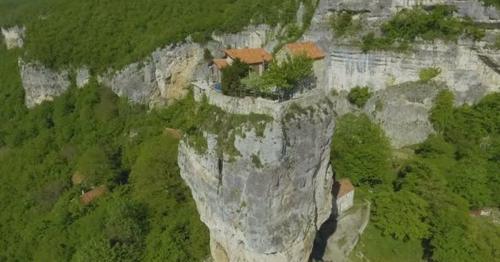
(343, 23)
(497, 42)
(231, 78)
(359, 96)
(409, 24)
(286, 74)
(442, 112)
(361, 151)
(401, 215)
(429, 73)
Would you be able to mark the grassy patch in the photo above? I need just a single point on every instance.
(295, 110)
(225, 126)
(256, 161)
(427, 74)
(375, 247)
(344, 24)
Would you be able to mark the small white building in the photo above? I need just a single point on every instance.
(345, 195)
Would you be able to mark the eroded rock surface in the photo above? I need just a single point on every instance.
(267, 203)
(42, 84)
(14, 36)
(164, 76)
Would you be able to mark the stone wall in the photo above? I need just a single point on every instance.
(461, 69)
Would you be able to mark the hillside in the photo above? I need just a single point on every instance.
(116, 145)
(112, 34)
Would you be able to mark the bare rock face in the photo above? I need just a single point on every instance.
(82, 77)
(267, 203)
(461, 67)
(14, 36)
(474, 9)
(403, 112)
(42, 84)
(258, 36)
(164, 76)
(401, 105)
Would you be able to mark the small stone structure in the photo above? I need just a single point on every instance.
(345, 195)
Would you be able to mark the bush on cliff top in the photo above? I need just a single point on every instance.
(359, 96)
(409, 24)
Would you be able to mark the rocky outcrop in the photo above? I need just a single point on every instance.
(403, 111)
(474, 9)
(469, 69)
(42, 84)
(462, 69)
(267, 203)
(14, 36)
(162, 77)
(258, 36)
(82, 77)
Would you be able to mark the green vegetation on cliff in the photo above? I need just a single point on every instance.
(421, 203)
(92, 136)
(114, 33)
(408, 25)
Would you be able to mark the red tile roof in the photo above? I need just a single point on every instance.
(309, 49)
(220, 63)
(250, 55)
(345, 187)
(93, 194)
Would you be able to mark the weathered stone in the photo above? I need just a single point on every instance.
(82, 77)
(14, 36)
(403, 112)
(163, 77)
(42, 84)
(271, 211)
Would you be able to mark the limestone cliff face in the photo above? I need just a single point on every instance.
(267, 203)
(403, 111)
(163, 76)
(14, 36)
(462, 69)
(474, 9)
(42, 84)
(160, 78)
(471, 70)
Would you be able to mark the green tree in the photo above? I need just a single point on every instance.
(469, 179)
(359, 96)
(360, 151)
(285, 75)
(442, 112)
(95, 167)
(401, 214)
(231, 78)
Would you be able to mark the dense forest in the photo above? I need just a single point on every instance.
(114, 33)
(422, 195)
(148, 213)
(89, 138)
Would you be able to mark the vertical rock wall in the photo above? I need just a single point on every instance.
(267, 203)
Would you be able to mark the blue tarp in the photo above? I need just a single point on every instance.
(218, 87)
